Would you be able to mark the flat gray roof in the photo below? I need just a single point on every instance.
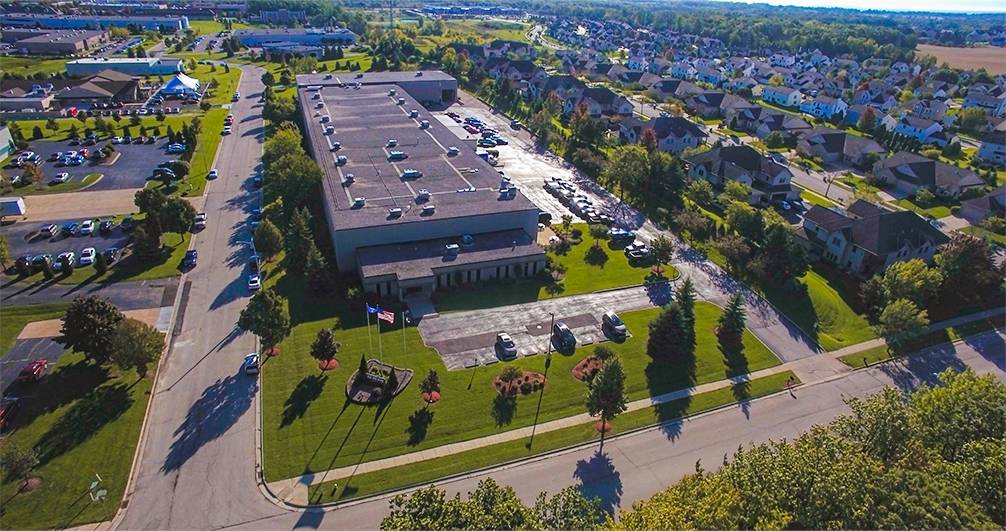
(365, 119)
(422, 259)
(372, 78)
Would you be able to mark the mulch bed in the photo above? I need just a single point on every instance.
(586, 368)
(431, 398)
(328, 365)
(528, 383)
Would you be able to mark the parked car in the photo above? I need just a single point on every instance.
(86, 227)
(8, 409)
(213, 174)
(127, 224)
(70, 228)
(105, 226)
(60, 178)
(611, 322)
(562, 336)
(191, 257)
(200, 221)
(505, 347)
(111, 254)
(34, 371)
(67, 256)
(617, 235)
(254, 282)
(87, 256)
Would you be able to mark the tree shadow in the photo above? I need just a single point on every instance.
(84, 418)
(599, 480)
(504, 408)
(308, 389)
(219, 408)
(913, 371)
(736, 366)
(59, 388)
(419, 425)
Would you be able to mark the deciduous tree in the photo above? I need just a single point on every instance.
(267, 317)
(88, 326)
(901, 322)
(134, 345)
(268, 239)
(325, 347)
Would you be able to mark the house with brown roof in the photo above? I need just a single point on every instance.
(834, 146)
(866, 239)
(769, 180)
(991, 204)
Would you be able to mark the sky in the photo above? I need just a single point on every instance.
(955, 6)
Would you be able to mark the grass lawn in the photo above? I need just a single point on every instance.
(130, 267)
(815, 198)
(202, 160)
(581, 277)
(70, 186)
(226, 82)
(825, 309)
(13, 319)
(936, 211)
(62, 131)
(953, 333)
(986, 234)
(83, 420)
(859, 186)
(212, 27)
(308, 425)
(425, 471)
(29, 66)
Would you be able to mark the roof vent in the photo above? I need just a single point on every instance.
(348, 179)
(452, 249)
(328, 76)
(394, 213)
(428, 210)
(359, 75)
(401, 101)
(419, 74)
(358, 202)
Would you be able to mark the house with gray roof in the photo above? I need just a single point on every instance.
(769, 180)
(991, 204)
(866, 239)
(674, 133)
(834, 146)
(910, 172)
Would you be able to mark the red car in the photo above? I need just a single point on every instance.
(471, 129)
(8, 408)
(34, 371)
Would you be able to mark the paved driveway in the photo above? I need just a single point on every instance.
(466, 339)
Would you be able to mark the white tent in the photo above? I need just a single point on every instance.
(181, 84)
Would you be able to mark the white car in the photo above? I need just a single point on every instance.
(87, 256)
(116, 139)
(254, 282)
(250, 364)
(200, 221)
(213, 174)
(227, 130)
(86, 227)
(61, 178)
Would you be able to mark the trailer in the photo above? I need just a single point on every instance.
(12, 206)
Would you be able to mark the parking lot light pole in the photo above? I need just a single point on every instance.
(548, 363)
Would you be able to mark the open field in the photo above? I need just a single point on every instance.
(309, 425)
(988, 57)
(29, 66)
(83, 420)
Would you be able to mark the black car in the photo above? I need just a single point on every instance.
(544, 218)
(191, 257)
(105, 227)
(111, 254)
(39, 261)
(127, 223)
(562, 336)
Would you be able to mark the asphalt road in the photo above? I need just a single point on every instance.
(197, 467)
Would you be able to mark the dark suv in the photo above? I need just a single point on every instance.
(562, 337)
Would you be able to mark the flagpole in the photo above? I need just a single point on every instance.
(403, 333)
(380, 347)
(370, 342)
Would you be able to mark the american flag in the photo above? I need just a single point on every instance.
(385, 315)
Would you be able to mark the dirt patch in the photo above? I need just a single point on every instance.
(51, 327)
(586, 368)
(529, 382)
(30, 484)
(80, 204)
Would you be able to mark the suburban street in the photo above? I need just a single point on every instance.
(197, 467)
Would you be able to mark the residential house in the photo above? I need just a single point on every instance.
(991, 204)
(675, 88)
(920, 129)
(682, 70)
(824, 107)
(785, 96)
(834, 146)
(769, 180)
(638, 62)
(866, 239)
(993, 104)
(929, 109)
(674, 134)
(715, 104)
(738, 84)
(601, 100)
(782, 59)
(910, 172)
(710, 75)
(659, 66)
(993, 147)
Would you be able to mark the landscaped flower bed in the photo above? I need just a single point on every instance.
(586, 368)
(527, 383)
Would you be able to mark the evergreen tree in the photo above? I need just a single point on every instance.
(685, 299)
(731, 323)
(669, 338)
(299, 241)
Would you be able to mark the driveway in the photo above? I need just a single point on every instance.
(466, 339)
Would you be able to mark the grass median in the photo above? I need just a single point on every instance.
(433, 469)
(82, 420)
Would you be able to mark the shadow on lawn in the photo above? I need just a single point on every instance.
(84, 418)
(308, 389)
(504, 408)
(69, 383)
(736, 365)
(219, 407)
(419, 425)
(665, 377)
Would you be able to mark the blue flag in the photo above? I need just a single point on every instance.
(372, 309)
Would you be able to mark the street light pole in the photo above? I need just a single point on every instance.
(548, 363)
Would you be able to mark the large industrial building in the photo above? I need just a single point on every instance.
(140, 66)
(30, 20)
(53, 42)
(303, 36)
(410, 208)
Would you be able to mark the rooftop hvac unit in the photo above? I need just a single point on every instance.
(401, 101)
(358, 202)
(428, 210)
(392, 92)
(348, 179)
(423, 195)
(452, 249)
(394, 212)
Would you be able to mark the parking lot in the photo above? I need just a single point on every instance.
(135, 164)
(23, 239)
(466, 339)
